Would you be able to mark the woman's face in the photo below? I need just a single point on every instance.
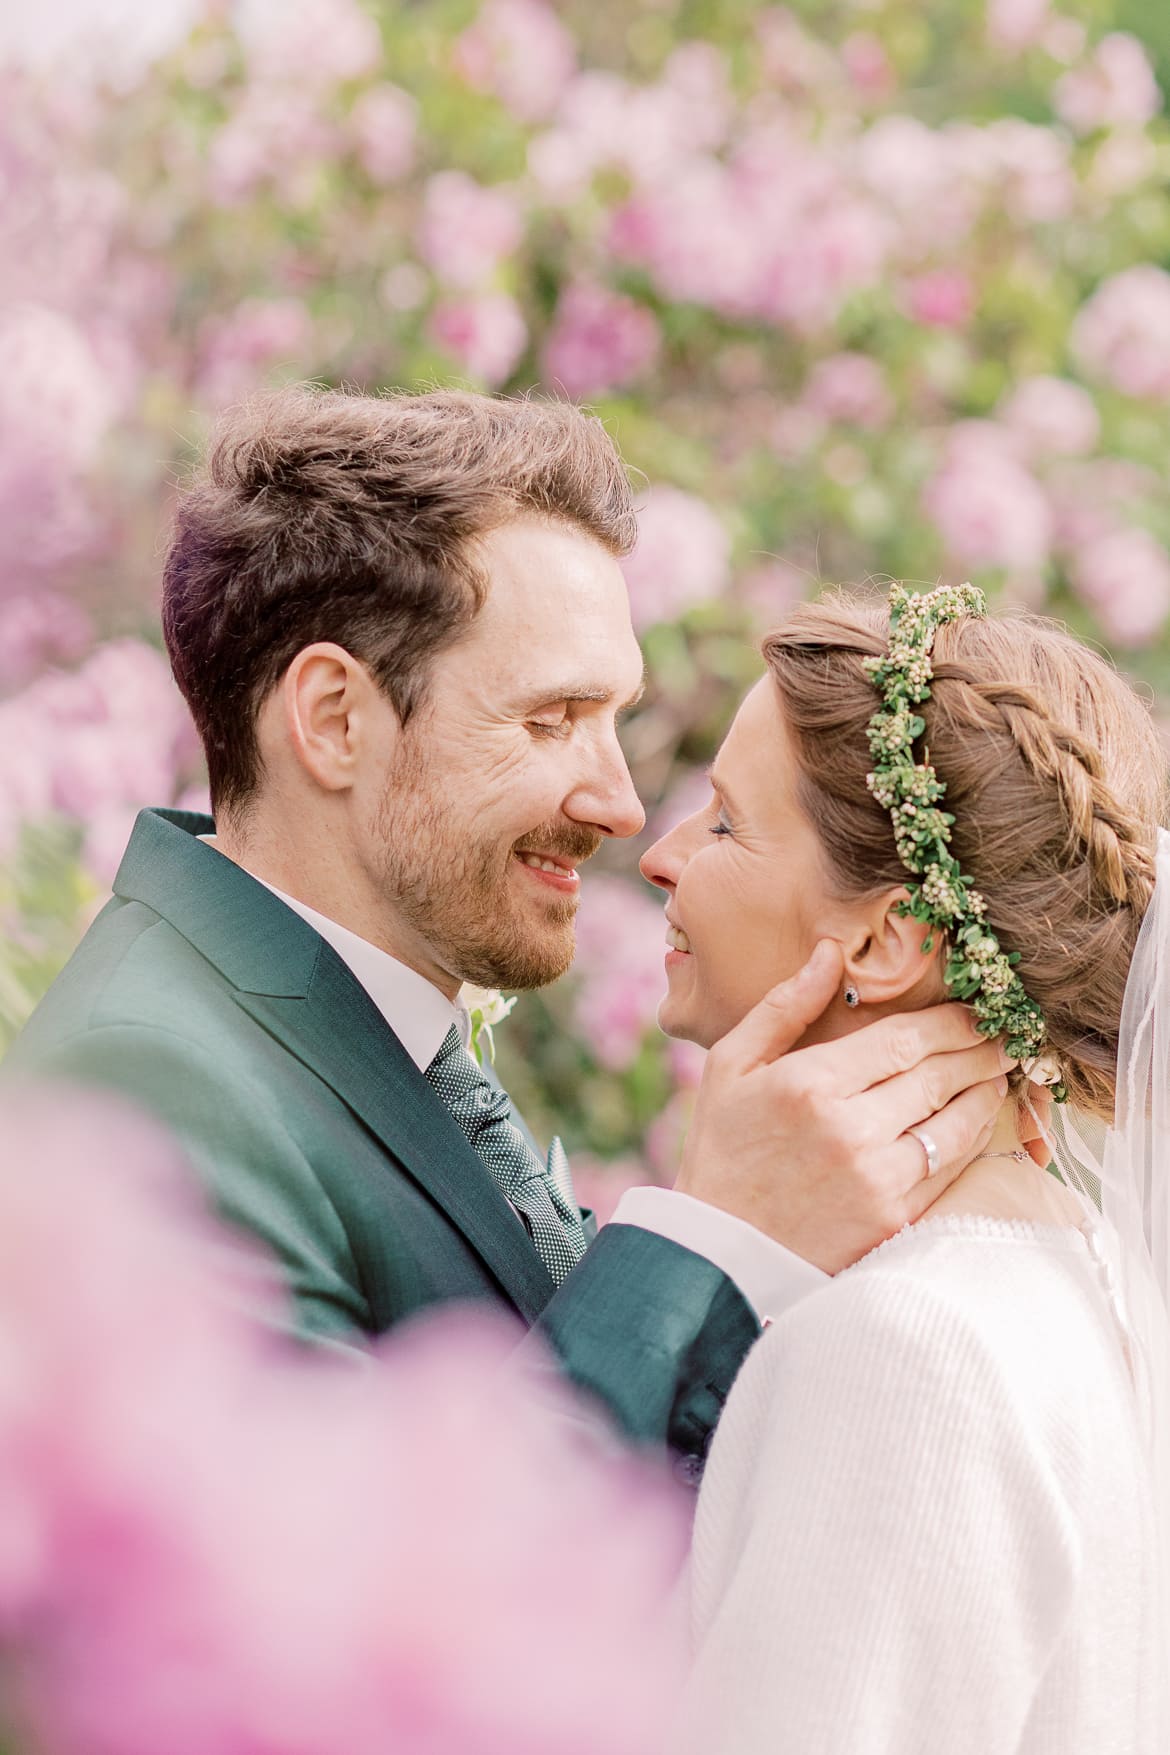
(746, 883)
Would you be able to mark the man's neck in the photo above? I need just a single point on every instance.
(333, 896)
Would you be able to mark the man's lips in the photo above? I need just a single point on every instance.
(538, 860)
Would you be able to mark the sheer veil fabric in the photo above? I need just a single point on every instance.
(1124, 1172)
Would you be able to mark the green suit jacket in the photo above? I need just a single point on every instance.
(200, 995)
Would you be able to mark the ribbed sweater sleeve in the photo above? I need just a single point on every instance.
(883, 1556)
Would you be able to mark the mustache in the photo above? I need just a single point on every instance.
(571, 841)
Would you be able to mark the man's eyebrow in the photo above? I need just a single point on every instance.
(579, 691)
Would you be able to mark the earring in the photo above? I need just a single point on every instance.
(852, 997)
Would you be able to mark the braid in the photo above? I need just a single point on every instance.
(1107, 834)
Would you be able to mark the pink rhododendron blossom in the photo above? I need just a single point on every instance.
(311, 42)
(1121, 163)
(942, 299)
(40, 628)
(770, 589)
(383, 124)
(1114, 88)
(1124, 576)
(1017, 24)
(217, 1546)
(851, 388)
(520, 50)
(486, 333)
(55, 399)
(621, 947)
(869, 69)
(466, 229)
(793, 57)
(276, 135)
(599, 341)
(988, 507)
(235, 350)
(599, 1183)
(1054, 417)
(682, 557)
(1025, 168)
(1123, 333)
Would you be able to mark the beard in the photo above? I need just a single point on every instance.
(456, 891)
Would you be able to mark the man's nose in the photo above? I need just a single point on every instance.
(608, 799)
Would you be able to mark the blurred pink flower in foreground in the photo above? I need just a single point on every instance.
(520, 50)
(486, 333)
(1053, 417)
(683, 557)
(467, 229)
(621, 945)
(989, 509)
(1124, 576)
(214, 1544)
(1122, 334)
(599, 341)
(1114, 88)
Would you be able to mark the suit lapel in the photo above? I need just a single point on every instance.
(298, 989)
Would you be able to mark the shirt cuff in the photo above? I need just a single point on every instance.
(770, 1277)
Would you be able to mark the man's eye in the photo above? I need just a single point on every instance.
(551, 727)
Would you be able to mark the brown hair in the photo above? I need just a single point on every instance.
(1056, 777)
(322, 515)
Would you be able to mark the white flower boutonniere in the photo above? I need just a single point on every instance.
(486, 1007)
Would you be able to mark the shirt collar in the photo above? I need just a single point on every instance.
(414, 1008)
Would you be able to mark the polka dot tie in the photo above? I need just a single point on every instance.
(484, 1112)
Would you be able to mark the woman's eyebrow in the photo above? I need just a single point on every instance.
(718, 786)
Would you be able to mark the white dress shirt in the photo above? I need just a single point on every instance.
(770, 1277)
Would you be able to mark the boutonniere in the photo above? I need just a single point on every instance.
(486, 1007)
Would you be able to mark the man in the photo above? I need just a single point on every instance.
(404, 636)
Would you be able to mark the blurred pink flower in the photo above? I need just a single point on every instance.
(943, 298)
(1122, 334)
(989, 509)
(1124, 576)
(1017, 24)
(599, 341)
(1115, 88)
(599, 1183)
(867, 66)
(383, 124)
(55, 399)
(690, 791)
(235, 350)
(37, 629)
(850, 388)
(621, 948)
(276, 135)
(311, 42)
(520, 50)
(1053, 417)
(215, 1545)
(467, 229)
(682, 557)
(485, 332)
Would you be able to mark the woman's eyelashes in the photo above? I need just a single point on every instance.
(719, 827)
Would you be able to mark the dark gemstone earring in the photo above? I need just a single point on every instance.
(852, 997)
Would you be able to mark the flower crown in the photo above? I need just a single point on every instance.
(977, 971)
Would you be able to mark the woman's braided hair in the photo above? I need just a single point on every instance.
(1057, 779)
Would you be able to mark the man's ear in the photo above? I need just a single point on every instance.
(885, 959)
(323, 709)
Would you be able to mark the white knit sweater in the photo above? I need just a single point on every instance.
(926, 1524)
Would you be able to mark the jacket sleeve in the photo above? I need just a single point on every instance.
(655, 1332)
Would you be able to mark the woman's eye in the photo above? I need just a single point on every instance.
(720, 828)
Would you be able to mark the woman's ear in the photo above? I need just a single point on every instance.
(891, 954)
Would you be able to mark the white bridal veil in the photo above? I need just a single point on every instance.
(1124, 1170)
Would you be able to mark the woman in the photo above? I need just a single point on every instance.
(930, 1517)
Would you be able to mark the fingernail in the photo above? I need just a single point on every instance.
(1007, 1061)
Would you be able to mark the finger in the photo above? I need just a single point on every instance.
(902, 1102)
(959, 1131)
(773, 1026)
(894, 1045)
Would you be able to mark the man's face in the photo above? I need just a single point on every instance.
(512, 765)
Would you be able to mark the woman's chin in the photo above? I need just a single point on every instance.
(678, 1020)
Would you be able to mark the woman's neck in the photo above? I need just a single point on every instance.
(1004, 1183)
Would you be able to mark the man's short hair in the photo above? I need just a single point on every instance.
(322, 515)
